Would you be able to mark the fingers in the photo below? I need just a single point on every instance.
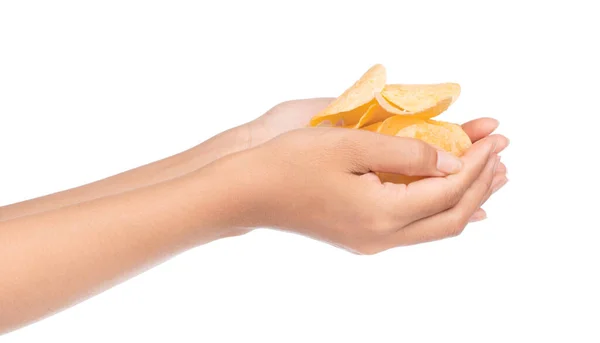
(399, 155)
(450, 222)
(427, 197)
(480, 128)
(498, 182)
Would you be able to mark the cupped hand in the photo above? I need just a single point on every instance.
(295, 114)
(320, 182)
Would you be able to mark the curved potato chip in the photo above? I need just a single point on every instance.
(374, 114)
(360, 94)
(372, 127)
(445, 136)
(397, 178)
(426, 113)
(461, 141)
(416, 98)
(393, 124)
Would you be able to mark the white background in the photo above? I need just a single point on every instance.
(90, 89)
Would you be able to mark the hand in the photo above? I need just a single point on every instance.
(294, 114)
(320, 182)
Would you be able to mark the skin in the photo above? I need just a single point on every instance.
(62, 248)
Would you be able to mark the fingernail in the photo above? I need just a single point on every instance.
(496, 187)
(448, 163)
(477, 216)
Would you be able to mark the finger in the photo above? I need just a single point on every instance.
(501, 168)
(503, 142)
(479, 128)
(429, 196)
(479, 215)
(450, 222)
(498, 182)
(372, 152)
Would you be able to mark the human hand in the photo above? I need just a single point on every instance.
(294, 114)
(320, 182)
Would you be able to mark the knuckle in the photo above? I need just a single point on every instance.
(419, 156)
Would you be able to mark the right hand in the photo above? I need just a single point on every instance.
(320, 182)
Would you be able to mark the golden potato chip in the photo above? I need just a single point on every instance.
(461, 141)
(354, 102)
(393, 124)
(425, 113)
(416, 98)
(445, 136)
(374, 114)
(397, 178)
(372, 127)
(403, 110)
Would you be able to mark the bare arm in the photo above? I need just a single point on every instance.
(225, 143)
(54, 259)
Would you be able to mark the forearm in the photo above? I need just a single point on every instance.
(174, 166)
(51, 260)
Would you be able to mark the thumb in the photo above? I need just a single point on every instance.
(400, 155)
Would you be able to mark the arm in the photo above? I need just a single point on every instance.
(230, 141)
(282, 118)
(54, 259)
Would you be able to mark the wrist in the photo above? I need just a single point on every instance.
(225, 143)
(235, 192)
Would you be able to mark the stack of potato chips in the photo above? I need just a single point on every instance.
(403, 110)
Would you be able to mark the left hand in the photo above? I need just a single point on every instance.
(295, 114)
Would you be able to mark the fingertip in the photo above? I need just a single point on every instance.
(480, 128)
(501, 168)
(502, 142)
(479, 215)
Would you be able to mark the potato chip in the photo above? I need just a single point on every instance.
(355, 101)
(397, 178)
(403, 110)
(374, 114)
(425, 113)
(416, 98)
(372, 127)
(445, 136)
(461, 141)
(393, 124)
